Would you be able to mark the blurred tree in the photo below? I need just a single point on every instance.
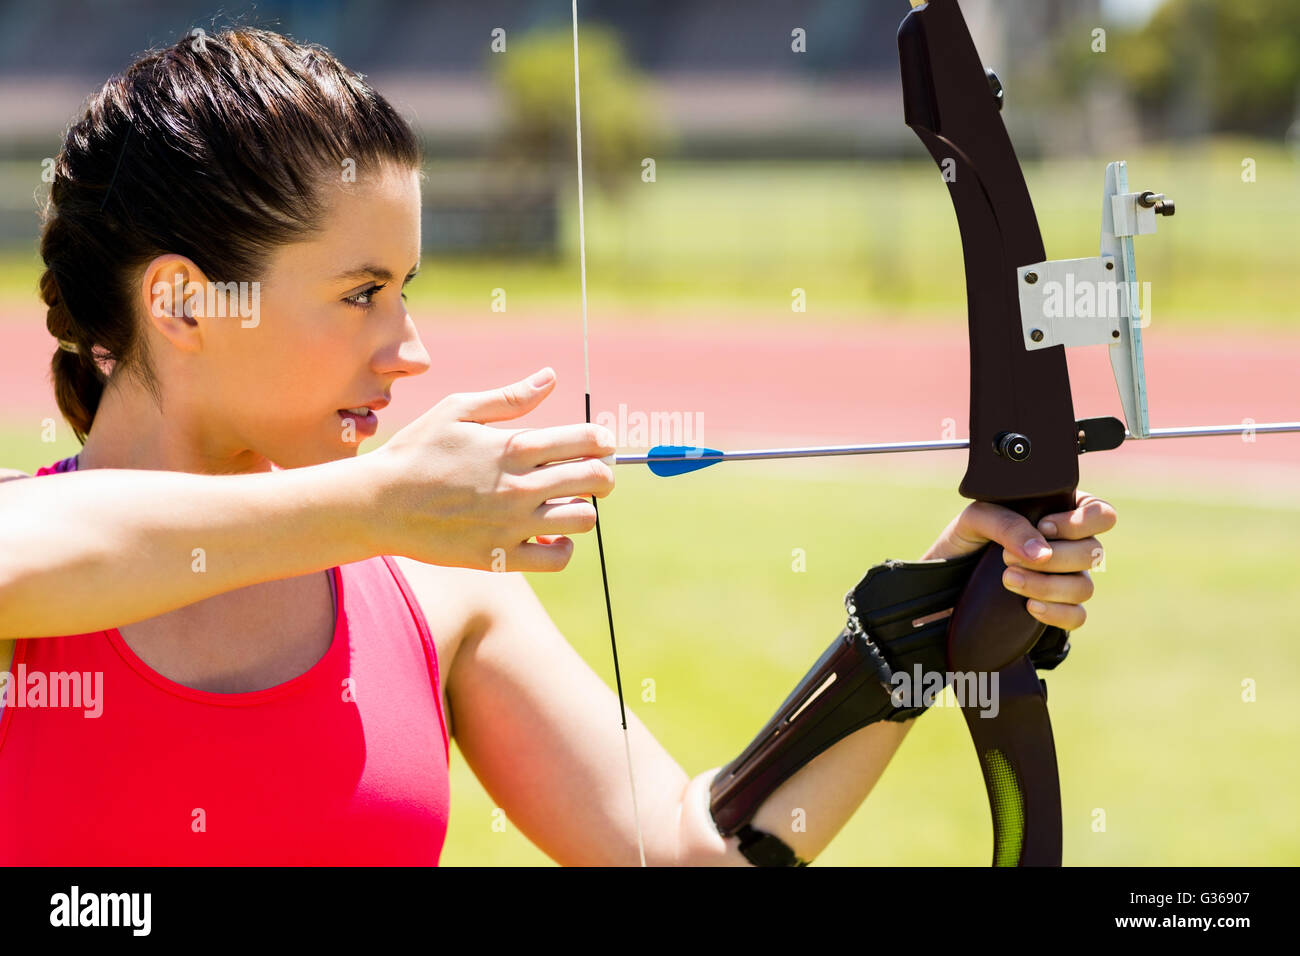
(535, 76)
(1201, 66)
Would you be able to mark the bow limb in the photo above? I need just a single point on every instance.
(1024, 442)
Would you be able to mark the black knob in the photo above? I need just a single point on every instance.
(1163, 206)
(995, 87)
(1013, 446)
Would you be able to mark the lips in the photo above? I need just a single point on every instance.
(363, 417)
(373, 405)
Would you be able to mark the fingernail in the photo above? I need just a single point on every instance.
(1036, 548)
(542, 378)
(1037, 606)
(1013, 579)
(1048, 528)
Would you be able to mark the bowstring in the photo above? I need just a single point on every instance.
(586, 369)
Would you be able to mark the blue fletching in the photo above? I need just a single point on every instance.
(668, 461)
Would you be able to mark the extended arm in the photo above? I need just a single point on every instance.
(106, 547)
(88, 550)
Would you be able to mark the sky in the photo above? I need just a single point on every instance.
(1130, 11)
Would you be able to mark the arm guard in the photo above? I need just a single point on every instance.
(897, 621)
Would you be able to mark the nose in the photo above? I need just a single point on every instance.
(409, 356)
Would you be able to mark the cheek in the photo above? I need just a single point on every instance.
(285, 360)
(309, 365)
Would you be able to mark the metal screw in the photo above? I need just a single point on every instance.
(1031, 277)
(1036, 335)
(1163, 206)
(1110, 266)
(1012, 446)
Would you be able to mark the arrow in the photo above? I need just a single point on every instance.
(668, 461)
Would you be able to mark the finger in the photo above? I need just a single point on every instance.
(1068, 616)
(1049, 588)
(1091, 516)
(982, 522)
(502, 404)
(585, 478)
(568, 516)
(547, 553)
(1067, 557)
(542, 446)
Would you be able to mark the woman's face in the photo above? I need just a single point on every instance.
(329, 332)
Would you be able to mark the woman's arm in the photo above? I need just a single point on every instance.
(88, 550)
(539, 730)
(83, 551)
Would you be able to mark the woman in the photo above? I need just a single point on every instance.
(230, 227)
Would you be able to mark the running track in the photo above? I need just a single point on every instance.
(801, 383)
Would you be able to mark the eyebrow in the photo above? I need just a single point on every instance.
(371, 272)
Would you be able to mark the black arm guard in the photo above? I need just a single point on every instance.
(897, 619)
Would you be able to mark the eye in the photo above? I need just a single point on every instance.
(406, 283)
(364, 298)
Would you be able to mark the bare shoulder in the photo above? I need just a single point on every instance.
(477, 596)
(458, 603)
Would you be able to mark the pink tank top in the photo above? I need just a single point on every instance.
(346, 764)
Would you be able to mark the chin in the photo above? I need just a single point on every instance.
(299, 457)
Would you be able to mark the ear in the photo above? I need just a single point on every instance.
(173, 294)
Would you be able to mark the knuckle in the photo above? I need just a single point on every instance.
(1097, 511)
(513, 396)
(518, 442)
(1008, 522)
(601, 475)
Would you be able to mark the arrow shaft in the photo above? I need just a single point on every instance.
(1206, 431)
(823, 451)
(890, 448)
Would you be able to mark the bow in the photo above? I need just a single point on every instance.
(1025, 442)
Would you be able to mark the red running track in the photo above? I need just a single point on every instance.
(796, 384)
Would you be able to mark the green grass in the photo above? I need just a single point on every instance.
(880, 238)
(1150, 725)
(25, 448)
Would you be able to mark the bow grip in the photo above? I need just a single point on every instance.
(991, 627)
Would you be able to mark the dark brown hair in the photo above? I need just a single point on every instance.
(213, 149)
